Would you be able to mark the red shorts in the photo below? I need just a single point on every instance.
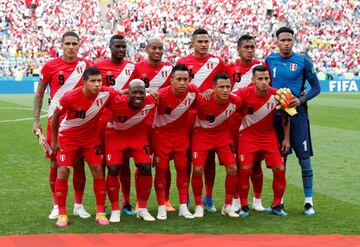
(69, 152)
(272, 159)
(117, 147)
(167, 143)
(226, 154)
(161, 160)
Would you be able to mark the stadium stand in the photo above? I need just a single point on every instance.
(327, 31)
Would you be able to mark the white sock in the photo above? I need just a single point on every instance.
(308, 200)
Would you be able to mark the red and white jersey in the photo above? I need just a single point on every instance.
(203, 70)
(62, 77)
(258, 114)
(241, 74)
(172, 111)
(83, 113)
(213, 118)
(154, 77)
(117, 75)
(127, 120)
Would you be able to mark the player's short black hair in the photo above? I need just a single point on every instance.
(259, 68)
(284, 30)
(70, 33)
(199, 31)
(179, 67)
(221, 75)
(90, 71)
(116, 36)
(243, 38)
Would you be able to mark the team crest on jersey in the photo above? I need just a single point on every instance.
(157, 159)
(99, 102)
(242, 157)
(187, 102)
(228, 113)
(270, 105)
(108, 157)
(62, 157)
(145, 112)
(293, 66)
(195, 155)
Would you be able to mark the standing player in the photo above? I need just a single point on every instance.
(62, 74)
(212, 132)
(171, 139)
(240, 74)
(156, 74)
(203, 67)
(117, 72)
(127, 135)
(258, 136)
(292, 70)
(78, 136)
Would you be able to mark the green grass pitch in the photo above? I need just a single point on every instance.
(25, 200)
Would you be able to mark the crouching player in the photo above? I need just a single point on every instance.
(78, 137)
(258, 137)
(127, 135)
(211, 132)
(171, 139)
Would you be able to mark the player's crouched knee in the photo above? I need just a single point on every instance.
(97, 171)
(144, 169)
(63, 172)
(198, 171)
(231, 170)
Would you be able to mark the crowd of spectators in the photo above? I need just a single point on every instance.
(327, 31)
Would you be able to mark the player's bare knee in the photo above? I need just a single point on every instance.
(97, 171)
(231, 170)
(198, 171)
(113, 170)
(63, 172)
(144, 169)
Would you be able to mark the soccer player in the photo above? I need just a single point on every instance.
(292, 70)
(258, 136)
(203, 67)
(127, 135)
(78, 137)
(171, 137)
(156, 74)
(211, 133)
(117, 72)
(240, 74)
(62, 74)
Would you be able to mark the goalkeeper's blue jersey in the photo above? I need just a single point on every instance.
(291, 72)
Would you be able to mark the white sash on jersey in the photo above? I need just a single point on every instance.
(124, 76)
(94, 109)
(218, 120)
(261, 113)
(245, 79)
(205, 71)
(160, 78)
(164, 119)
(137, 118)
(69, 84)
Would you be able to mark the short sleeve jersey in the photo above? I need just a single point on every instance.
(258, 114)
(117, 75)
(203, 70)
(173, 111)
(83, 114)
(154, 77)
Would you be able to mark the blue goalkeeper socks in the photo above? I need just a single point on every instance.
(307, 176)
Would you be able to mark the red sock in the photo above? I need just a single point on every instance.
(279, 184)
(209, 174)
(182, 183)
(160, 184)
(168, 184)
(197, 185)
(136, 181)
(100, 193)
(145, 183)
(79, 181)
(61, 190)
(230, 188)
(113, 187)
(52, 180)
(257, 180)
(244, 185)
(125, 179)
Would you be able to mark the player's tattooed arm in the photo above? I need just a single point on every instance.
(38, 99)
(55, 119)
(285, 120)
